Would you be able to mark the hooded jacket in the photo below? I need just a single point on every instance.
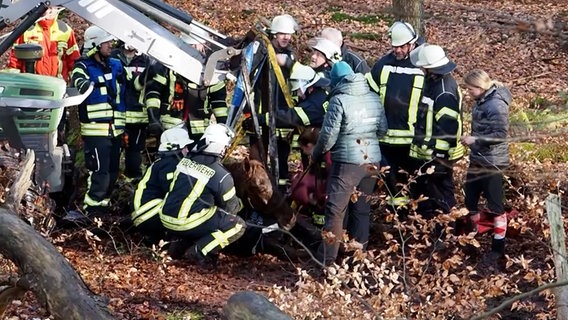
(354, 121)
(490, 123)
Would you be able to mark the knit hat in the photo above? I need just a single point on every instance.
(339, 71)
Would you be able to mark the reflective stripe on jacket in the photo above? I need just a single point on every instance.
(103, 112)
(60, 49)
(399, 84)
(439, 121)
(200, 185)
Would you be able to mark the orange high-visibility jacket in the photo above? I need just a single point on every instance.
(60, 49)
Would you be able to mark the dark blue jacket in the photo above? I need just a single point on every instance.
(489, 126)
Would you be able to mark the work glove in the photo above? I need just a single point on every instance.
(248, 124)
(154, 125)
(284, 60)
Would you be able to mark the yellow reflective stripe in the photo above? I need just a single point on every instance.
(220, 112)
(198, 126)
(136, 117)
(221, 238)
(89, 202)
(71, 49)
(398, 201)
(420, 152)
(231, 193)
(303, 116)
(372, 82)
(429, 118)
(188, 223)
(170, 122)
(98, 107)
(442, 145)
(160, 79)
(195, 193)
(457, 152)
(153, 103)
(101, 114)
(169, 176)
(137, 201)
(445, 111)
(325, 105)
(384, 78)
(146, 216)
(282, 182)
(417, 87)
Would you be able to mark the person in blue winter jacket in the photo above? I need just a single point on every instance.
(354, 121)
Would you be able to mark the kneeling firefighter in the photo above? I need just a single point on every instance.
(201, 206)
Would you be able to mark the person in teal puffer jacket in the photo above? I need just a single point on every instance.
(354, 121)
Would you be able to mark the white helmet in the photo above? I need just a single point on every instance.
(332, 35)
(283, 24)
(94, 36)
(402, 33)
(303, 77)
(197, 35)
(329, 49)
(216, 138)
(433, 58)
(175, 138)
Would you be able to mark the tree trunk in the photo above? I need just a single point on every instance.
(411, 11)
(46, 272)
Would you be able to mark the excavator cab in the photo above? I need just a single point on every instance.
(31, 107)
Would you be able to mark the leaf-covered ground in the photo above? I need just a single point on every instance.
(521, 43)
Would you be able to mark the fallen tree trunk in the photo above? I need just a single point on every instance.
(46, 272)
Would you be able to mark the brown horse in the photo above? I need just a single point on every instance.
(255, 189)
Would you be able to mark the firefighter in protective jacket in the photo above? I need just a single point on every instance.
(152, 189)
(172, 99)
(136, 115)
(202, 203)
(60, 49)
(102, 117)
(438, 130)
(399, 84)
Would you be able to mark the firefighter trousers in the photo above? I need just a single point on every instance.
(136, 143)
(102, 158)
(215, 233)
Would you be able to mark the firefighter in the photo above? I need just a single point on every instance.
(438, 130)
(310, 88)
(172, 99)
(399, 85)
(356, 62)
(282, 27)
(201, 205)
(60, 49)
(155, 184)
(134, 138)
(102, 117)
(324, 54)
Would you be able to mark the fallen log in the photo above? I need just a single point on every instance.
(247, 305)
(44, 271)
